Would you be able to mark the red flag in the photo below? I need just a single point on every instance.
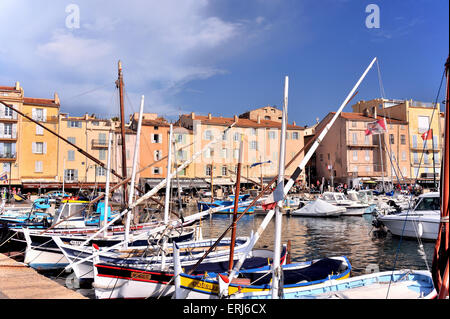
(428, 135)
(377, 127)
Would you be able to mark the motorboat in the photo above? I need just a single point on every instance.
(339, 199)
(420, 222)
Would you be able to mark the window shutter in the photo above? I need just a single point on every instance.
(45, 115)
(2, 130)
(45, 147)
(33, 148)
(152, 138)
(2, 111)
(75, 175)
(14, 130)
(33, 114)
(160, 138)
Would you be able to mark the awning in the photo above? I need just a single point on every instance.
(220, 181)
(184, 182)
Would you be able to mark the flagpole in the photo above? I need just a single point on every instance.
(434, 166)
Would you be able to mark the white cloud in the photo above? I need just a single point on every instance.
(163, 45)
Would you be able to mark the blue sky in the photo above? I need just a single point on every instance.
(222, 56)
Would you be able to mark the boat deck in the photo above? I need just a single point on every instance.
(400, 290)
(17, 281)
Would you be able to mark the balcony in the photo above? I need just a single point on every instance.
(99, 144)
(8, 157)
(360, 144)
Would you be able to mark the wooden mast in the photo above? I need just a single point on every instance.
(440, 266)
(235, 211)
(119, 84)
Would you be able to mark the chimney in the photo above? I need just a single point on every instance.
(56, 98)
(209, 116)
(193, 115)
(235, 118)
(293, 123)
(374, 112)
(17, 86)
(258, 119)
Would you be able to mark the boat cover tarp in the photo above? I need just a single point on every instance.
(319, 270)
(318, 207)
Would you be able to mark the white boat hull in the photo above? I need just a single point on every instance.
(424, 227)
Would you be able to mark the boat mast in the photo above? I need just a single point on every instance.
(119, 84)
(108, 165)
(440, 266)
(236, 203)
(276, 269)
(133, 173)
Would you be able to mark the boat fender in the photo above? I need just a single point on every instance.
(419, 230)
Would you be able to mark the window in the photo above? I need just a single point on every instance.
(435, 141)
(416, 172)
(38, 167)
(157, 155)
(354, 138)
(295, 135)
(224, 136)
(415, 157)
(76, 124)
(355, 169)
(423, 123)
(267, 117)
(366, 140)
(102, 155)
(72, 140)
(102, 138)
(180, 138)
(224, 153)
(368, 169)
(253, 131)
(156, 138)
(403, 139)
(7, 129)
(156, 170)
(391, 138)
(38, 114)
(414, 142)
(355, 155)
(425, 156)
(224, 171)
(71, 175)
(237, 136)
(156, 128)
(100, 171)
(8, 112)
(253, 145)
(236, 153)
(95, 123)
(367, 155)
(272, 135)
(329, 157)
(39, 148)
(71, 155)
(208, 135)
(353, 123)
(208, 170)
(403, 155)
(321, 157)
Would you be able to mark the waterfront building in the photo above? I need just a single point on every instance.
(425, 154)
(9, 136)
(348, 155)
(38, 149)
(261, 143)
